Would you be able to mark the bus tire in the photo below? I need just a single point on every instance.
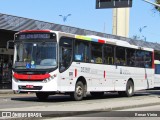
(97, 94)
(129, 90)
(42, 95)
(78, 94)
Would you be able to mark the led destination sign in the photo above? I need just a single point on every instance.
(33, 36)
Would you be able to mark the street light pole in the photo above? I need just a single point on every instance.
(157, 5)
(65, 17)
(140, 29)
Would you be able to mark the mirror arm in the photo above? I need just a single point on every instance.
(8, 42)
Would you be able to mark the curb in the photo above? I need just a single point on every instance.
(110, 112)
(6, 91)
(12, 92)
(47, 114)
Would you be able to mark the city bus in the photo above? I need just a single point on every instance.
(50, 62)
(157, 74)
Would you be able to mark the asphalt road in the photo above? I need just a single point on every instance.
(27, 100)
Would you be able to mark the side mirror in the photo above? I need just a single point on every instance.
(8, 43)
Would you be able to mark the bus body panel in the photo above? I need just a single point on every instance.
(115, 78)
(99, 77)
(50, 86)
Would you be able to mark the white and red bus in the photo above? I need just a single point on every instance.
(49, 62)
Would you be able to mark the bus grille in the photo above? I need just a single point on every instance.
(31, 80)
(33, 88)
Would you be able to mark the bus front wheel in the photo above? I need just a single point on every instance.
(79, 91)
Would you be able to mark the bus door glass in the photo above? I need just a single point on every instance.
(65, 60)
(65, 51)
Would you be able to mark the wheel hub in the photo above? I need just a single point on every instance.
(79, 90)
(130, 90)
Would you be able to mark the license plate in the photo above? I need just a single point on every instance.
(29, 86)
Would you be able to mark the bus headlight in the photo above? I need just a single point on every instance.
(50, 78)
(16, 80)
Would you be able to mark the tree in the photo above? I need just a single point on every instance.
(156, 7)
(156, 4)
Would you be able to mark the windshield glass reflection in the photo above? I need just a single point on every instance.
(36, 55)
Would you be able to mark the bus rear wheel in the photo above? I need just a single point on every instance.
(129, 90)
(42, 95)
(79, 91)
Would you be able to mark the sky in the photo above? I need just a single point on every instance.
(85, 16)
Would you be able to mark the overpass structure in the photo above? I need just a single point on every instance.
(11, 24)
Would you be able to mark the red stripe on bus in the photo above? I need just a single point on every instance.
(104, 74)
(101, 41)
(75, 72)
(30, 31)
(31, 77)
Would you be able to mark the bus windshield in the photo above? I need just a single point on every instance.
(35, 55)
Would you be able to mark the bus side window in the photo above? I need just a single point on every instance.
(81, 51)
(108, 52)
(140, 56)
(96, 53)
(148, 59)
(65, 51)
(130, 57)
(120, 56)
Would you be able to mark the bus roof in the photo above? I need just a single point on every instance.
(110, 41)
(94, 39)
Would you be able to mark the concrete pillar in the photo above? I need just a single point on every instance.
(121, 22)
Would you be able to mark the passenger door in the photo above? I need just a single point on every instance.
(65, 61)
